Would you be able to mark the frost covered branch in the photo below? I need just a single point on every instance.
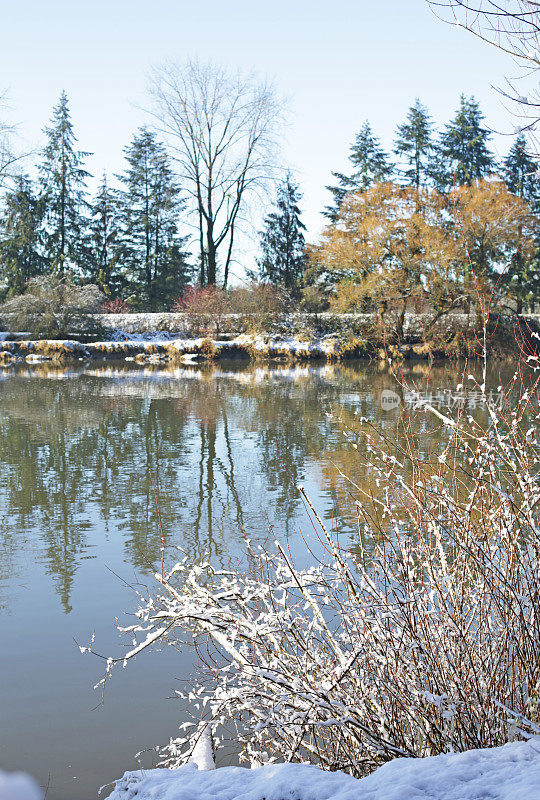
(422, 639)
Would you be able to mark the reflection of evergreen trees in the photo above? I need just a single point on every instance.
(291, 430)
(224, 456)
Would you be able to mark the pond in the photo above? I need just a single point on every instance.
(101, 464)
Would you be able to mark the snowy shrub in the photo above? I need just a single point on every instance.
(115, 306)
(54, 308)
(423, 639)
(205, 308)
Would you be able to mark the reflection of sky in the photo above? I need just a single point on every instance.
(78, 461)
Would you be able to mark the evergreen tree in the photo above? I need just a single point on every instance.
(463, 155)
(155, 261)
(414, 145)
(370, 165)
(523, 275)
(63, 180)
(282, 240)
(520, 172)
(106, 240)
(21, 252)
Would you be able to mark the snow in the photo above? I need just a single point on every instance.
(203, 752)
(272, 782)
(511, 772)
(18, 786)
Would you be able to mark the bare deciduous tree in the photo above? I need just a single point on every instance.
(7, 157)
(222, 132)
(513, 26)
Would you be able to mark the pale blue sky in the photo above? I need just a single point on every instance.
(338, 63)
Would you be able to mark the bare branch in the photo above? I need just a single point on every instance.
(513, 27)
(222, 133)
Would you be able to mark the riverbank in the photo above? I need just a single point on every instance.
(160, 338)
(153, 347)
(158, 350)
(511, 772)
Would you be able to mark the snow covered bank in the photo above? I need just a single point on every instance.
(177, 350)
(18, 786)
(181, 324)
(511, 772)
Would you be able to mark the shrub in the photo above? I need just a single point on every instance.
(208, 349)
(209, 308)
(115, 306)
(314, 300)
(54, 308)
(424, 639)
(258, 304)
(205, 307)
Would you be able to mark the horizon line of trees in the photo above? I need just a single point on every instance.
(440, 223)
(212, 147)
(127, 239)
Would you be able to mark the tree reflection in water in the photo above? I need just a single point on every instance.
(223, 450)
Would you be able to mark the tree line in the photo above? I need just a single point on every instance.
(212, 148)
(437, 221)
(125, 239)
(426, 221)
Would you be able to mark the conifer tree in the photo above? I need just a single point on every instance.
(21, 251)
(105, 239)
(463, 155)
(520, 171)
(282, 241)
(63, 180)
(414, 145)
(370, 165)
(156, 264)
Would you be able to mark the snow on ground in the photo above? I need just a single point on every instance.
(511, 772)
(18, 786)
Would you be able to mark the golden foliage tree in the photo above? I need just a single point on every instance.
(493, 239)
(390, 248)
(393, 247)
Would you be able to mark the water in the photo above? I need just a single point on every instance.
(87, 456)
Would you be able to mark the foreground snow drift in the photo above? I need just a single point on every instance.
(18, 786)
(511, 772)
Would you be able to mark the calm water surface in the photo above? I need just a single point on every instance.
(83, 455)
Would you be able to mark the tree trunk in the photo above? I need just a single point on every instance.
(202, 270)
(228, 261)
(211, 265)
(211, 255)
(147, 246)
(62, 223)
(400, 321)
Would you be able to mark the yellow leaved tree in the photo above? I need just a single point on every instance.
(394, 249)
